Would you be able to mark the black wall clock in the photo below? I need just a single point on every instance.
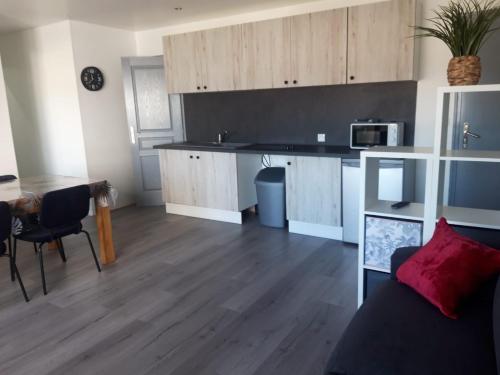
(92, 78)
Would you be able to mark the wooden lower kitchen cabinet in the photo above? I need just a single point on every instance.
(209, 185)
(313, 196)
(176, 176)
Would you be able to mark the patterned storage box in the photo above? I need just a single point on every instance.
(383, 236)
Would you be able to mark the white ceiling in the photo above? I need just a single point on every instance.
(125, 14)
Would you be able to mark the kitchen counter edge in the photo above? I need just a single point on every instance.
(353, 154)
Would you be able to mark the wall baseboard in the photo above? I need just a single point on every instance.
(316, 230)
(205, 213)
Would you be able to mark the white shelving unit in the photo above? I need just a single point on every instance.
(470, 217)
(471, 155)
(444, 155)
(414, 211)
(437, 160)
(372, 206)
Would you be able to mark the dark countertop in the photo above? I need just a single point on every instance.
(343, 152)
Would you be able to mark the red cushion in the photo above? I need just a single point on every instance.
(449, 268)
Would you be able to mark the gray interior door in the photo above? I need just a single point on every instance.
(476, 185)
(154, 118)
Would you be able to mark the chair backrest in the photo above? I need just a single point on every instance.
(65, 206)
(5, 221)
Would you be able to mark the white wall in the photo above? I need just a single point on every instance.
(58, 126)
(103, 114)
(18, 81)
(8, 163)
(43, 101)
(433, 64)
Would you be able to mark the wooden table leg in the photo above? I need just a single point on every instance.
(105, 233)
(53, 245)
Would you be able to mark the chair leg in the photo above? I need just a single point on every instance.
(60, 248)
(35, 248)
(14, 251)
(93, 251)
(11, 261)
(20, 283)
(40, 258)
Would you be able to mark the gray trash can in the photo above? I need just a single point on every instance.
(270, 185)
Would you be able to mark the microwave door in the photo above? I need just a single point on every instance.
(369, 136)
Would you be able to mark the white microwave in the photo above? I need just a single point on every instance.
(366, 135)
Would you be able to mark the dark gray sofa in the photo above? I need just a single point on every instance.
(397, 332)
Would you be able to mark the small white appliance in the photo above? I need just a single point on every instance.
(368, 134)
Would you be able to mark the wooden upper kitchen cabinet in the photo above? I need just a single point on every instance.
(183, 62)
(203, 61)
(313, 190)
(367, 43)
(380, 46)
(265, 54)
(221, 58)
(305, 50)
(318, 48)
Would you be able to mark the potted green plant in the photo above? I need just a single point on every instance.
(464, 26)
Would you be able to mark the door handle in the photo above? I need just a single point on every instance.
(466, 134)
(132, 134)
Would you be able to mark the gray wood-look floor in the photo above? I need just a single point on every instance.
(186, 297)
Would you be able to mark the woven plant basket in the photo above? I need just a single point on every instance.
(464, 70)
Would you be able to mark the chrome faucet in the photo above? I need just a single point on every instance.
(221, 137)
(467, 133)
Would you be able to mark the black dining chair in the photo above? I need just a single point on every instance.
(61, 215)
(7, 178)
(5, 231)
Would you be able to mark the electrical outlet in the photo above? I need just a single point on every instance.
(321, 138)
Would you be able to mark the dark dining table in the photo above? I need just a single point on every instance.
(25, 195)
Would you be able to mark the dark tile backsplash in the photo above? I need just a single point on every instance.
(296, 115)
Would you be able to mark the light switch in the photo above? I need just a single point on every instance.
(322, 138)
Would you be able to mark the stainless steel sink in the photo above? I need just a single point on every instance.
(234, 145)
(227, 145)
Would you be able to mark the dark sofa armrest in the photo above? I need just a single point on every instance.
(399, 257)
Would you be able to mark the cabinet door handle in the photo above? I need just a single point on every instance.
(286, 82)
(205, 87)
(198, 157)
(190, 156)
(198, 88)
(295, 82)
(289, 163)
(352, 78)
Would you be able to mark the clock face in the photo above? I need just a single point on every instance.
(92, 78)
